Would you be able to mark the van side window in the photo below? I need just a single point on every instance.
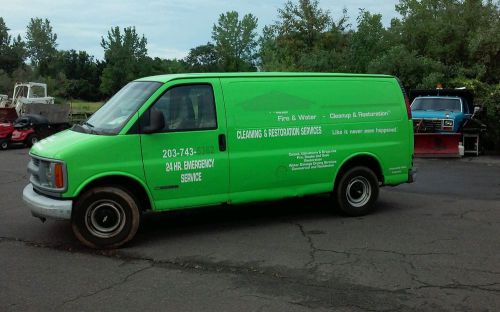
(189, 107)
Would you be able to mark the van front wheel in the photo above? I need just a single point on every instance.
(357, 191)
(105, 217)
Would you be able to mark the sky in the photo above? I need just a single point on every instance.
(171, 27)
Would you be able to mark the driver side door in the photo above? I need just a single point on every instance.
(186, 162)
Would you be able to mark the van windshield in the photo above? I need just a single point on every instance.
(436, 104)
(113, 115)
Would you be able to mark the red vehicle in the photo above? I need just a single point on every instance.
(7, 118)
(29, 129)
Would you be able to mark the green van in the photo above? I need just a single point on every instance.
(190, 140)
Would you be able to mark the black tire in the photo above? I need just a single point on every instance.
(356, 191)
(31, 140)
(4, 144)
(105, 217)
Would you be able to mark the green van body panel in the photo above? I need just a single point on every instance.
(89, 157)
(287, 134)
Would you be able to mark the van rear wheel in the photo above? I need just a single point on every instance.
(105, 217)
(357, 191)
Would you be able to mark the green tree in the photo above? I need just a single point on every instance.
(432, 28)
(5, 82)
(305, 38)
(302, 25)
(76, 64)
(12, 52)
(124, 54)
(414, 70)
(203, 58)
(41, 45)
(80, 75)
(173, 66)
(367, 42)
(158, 66)
(484, 42)
(4, 33)
(236, 41)
(463, 35)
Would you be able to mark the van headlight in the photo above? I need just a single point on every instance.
(448, 123)
(48, 175)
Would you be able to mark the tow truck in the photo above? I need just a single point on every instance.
(446, 123)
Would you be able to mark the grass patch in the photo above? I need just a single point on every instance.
(84, 106)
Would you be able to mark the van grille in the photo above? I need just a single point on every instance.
(41, 174)
(38, 169)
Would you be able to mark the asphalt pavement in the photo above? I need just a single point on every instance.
(433, 245)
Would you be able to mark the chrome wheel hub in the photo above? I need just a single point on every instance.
(358, 191)
(105, 218)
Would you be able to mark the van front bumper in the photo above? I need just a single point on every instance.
(44, 207)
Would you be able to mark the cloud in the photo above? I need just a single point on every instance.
(169, 53)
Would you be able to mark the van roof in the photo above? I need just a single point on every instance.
(166, 78)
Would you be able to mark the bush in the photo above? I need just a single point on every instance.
(490, 100)
(487, 96)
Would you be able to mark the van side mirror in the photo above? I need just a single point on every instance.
(156, 121)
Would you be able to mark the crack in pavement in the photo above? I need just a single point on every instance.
(399, 308)
(177, 264)
(55, 246)
(415, 278)
(441, 240)
(313, 249)
(290, 277)
(404, 254)
(454, 286)
(463, 216)
(100, 290)
(298, 282)
(477, 270)
(463, 213)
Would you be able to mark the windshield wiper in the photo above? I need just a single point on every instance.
(90, 127)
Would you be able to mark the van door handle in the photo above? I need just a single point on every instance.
(222, 142)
